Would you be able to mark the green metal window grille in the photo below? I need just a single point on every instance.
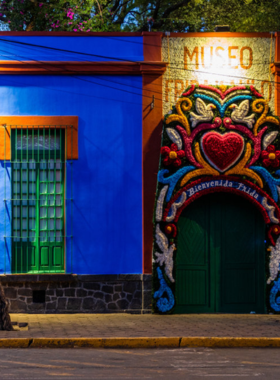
(38, 199)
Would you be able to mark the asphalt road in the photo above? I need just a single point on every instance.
(139, 364)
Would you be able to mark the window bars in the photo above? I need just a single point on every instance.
(40, 199)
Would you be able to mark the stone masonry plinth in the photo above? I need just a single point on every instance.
(61, 293)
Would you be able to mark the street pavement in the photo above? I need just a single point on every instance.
(120, 364)
(147, 325)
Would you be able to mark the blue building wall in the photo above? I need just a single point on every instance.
(44, 48)
(105, 216)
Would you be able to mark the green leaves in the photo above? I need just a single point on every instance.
(140, 15)
(56, 15)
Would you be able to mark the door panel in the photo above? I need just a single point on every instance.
(242, 258)
(234, 292)
(220, 256)
(57, 257)
(193, 288)
(44, 257)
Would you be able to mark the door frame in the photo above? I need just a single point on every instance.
(206, 223)
(191, 192)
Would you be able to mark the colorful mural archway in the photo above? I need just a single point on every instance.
(216, 139)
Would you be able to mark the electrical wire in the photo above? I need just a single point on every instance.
(195, 71)
(87, 54)
(85, 80)
(71, 71)
(121, 59)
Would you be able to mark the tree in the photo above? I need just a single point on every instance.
(5, 320)
(241, 16)
(56, 15)
(140, 15)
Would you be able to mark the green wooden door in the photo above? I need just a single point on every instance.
(37, 201)
(220, 257)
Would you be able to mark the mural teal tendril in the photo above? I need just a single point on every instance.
(222, 108)
(274, 300)
(271, 181)
(163, 303)
(173, 179)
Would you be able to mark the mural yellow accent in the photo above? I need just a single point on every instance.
(261, 106)
(222, 87)
(241, 170)
(206, 170)
(183, 104)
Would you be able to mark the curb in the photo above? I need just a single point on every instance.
(144, 342)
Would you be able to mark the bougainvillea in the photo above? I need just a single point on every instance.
(231, 143)
(57, 15)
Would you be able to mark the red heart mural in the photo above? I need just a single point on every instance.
(222, 151)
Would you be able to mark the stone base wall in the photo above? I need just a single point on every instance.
(78, 293)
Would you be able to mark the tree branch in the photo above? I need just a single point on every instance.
(122, 14)
(115, 6)
(155, 14)
(166, 13)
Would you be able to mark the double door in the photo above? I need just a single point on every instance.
(220, 261)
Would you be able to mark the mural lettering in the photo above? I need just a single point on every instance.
(223, 183)
(233, 56)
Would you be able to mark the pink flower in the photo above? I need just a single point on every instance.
(70, 14)
(75, 30)
(21, 12)
(57, 26)
(40, 4)
(88, 30)
(9, 21)
(69, 23)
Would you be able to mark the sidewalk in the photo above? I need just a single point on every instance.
(124, 330)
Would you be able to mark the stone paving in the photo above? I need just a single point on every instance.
(147, 325)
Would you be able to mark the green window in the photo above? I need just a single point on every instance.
(38, 169)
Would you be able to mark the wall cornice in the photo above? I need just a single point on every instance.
(85, 68)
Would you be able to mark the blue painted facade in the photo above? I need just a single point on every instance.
(40, 48)
(105, 183)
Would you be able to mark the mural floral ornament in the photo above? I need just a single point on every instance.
(172, 155)
(271, 157)
(219, 138)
